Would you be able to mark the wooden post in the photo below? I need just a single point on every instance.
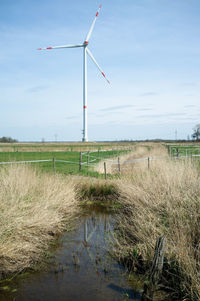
(80, 161)
(98, 154)
(148, 163)
(88, 161)
(168, 149)
(88, 158)
(105, 174)
(119, 164)
(177, 152)
(156, 271)
(54, 165)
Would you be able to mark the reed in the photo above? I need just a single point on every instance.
(163, 201)
(34, 208)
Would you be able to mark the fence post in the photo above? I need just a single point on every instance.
(148, 163)
(54, 165)
(177, 152)
(156, 270)
(105, 174)
(119, 164)
(80, 161)
(98, 154)
(88, 158)
(168, 149)
(88, 161)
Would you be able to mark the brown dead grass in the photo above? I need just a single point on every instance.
(164, 201)
(33, 208)
(139, 151)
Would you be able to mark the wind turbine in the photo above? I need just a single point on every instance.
(86, 52)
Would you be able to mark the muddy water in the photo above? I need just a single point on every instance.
(82, 268)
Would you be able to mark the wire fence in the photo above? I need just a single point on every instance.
(22, 162)
(91, 160)
(95, 158)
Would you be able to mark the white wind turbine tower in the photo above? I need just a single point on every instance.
(85, 52)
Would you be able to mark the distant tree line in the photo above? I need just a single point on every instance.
(196, 134)
(7, 140)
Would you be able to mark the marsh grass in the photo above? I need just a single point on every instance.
(163, 201)
(34, 208)
(139, 151)
(97, 192)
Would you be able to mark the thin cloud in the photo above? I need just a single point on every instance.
(104, 114)
(37, 89)
(189, 106)
(163, 115)
(188, 84)
(71, 117)
(144, 109)
(190, 118)
(146, 94)
(115, 108)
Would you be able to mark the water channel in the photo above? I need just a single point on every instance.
(82, 268)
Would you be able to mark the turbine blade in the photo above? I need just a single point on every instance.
(92, 26)
(64, 46)
(93, 59)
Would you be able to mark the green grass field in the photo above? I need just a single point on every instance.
(70, 167)
(184, 150)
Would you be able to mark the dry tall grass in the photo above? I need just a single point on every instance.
(143, 150)
(149, 150)
(164, 201)
(33, 208)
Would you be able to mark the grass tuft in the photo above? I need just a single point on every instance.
(163, 201)
(33, 209)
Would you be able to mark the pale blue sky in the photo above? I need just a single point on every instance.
(149, 49)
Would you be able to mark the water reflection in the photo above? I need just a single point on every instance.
(82, 268)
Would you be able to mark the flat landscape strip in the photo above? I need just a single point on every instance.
(84, 163)
(70, 162)
(31, 161)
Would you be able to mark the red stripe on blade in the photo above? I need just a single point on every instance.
(84, 107)
(39, 49)
(49, 48)
(97, 14)
(103, 74)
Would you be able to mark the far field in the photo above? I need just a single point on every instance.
(68, 153)
(91, 154)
